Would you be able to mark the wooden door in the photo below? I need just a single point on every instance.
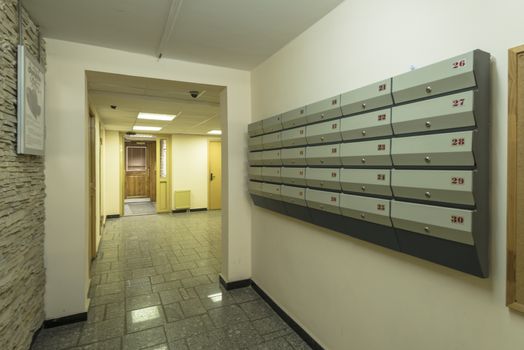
(92, 187)
(215, 175)
(515, 194)
(137, 170)
(163, 174)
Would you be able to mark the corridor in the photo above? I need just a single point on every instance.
(155, 286)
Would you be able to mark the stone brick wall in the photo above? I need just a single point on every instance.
(22, 274)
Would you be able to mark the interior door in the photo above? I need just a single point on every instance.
(215, 175)
(137, 170)
(163, 174)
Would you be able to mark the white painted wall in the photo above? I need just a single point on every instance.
(66, 239)
(112, 173)
(353, 295)
(190, 167)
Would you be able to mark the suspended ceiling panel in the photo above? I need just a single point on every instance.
(132, 95)
(232, 33)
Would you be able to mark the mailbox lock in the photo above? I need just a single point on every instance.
(321, 162)
(321, 138)
(428, 124)
(363, 106)
(426, 229)
(363, 160)
(428, 89)
(363, 188)
(322, 116)
(363, 132)
(427, 194)
(322, 184)
(363, 216)
(427, 159)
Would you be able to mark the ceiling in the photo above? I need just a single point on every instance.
(132, 95)
(233, 33)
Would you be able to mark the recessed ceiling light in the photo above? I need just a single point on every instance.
(154, 116)
(146, 128)
(145, 136)
(215, 132)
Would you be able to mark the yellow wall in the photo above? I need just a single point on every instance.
(353, 295)
(190, 167)
(67, 162)
(112, 173)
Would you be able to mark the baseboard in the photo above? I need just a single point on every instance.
(35, 335)
(113, 216)
(234, 284)
(290, 322)
(191, 210)
(62, 321)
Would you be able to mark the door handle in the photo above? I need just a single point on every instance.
(211, 177)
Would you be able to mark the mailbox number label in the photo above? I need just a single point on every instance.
(458, 103)
(301, 153)
(381, 117)
(301, 172)
(301, 131)
(457, 180)
(334, 126)
(458, 142)
(333, 150)
(455, 219)
(381, 147)
(333, 199)
(459, 64)
(333, 102)
(382, 87)
(381, 177)
(333, 174)
(381, 207)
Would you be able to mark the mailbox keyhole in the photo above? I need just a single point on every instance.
(363, 132)
(363, 188)
(427, 194)
(363, 106)
(428, 89)
(428, 125)
(427, 159)
(363, 160)
(427, 229)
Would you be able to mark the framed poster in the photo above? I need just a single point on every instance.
(31, 104)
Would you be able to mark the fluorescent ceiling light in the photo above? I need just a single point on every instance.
(215, 132)
(146, 136)
(154, 116)
(147, 128)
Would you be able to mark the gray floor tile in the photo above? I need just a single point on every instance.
(192, 307)
(269, 325)
(155, 286)
(142, 301)
(227, 315)
(186, 328)
(58, 337)
(145, 318)
(275, 344)
(145, 339)
(257, 309)
(110, 344)
(96, 332)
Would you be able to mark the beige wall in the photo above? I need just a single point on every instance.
(112, 173)
(350, 294)
(66, 161)
(190, 167)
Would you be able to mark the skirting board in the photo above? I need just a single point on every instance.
(62, 321)
(113, 216)
(280, 312)
(191, 210)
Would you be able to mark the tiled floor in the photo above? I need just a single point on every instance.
(139, 207)
(155, 286)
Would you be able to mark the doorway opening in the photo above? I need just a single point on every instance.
(140, 177)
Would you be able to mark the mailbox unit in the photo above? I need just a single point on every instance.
(402, 163)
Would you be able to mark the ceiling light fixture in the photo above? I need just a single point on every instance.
(146, 128)
(142, 136)
(215, 132)
(154, 116)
